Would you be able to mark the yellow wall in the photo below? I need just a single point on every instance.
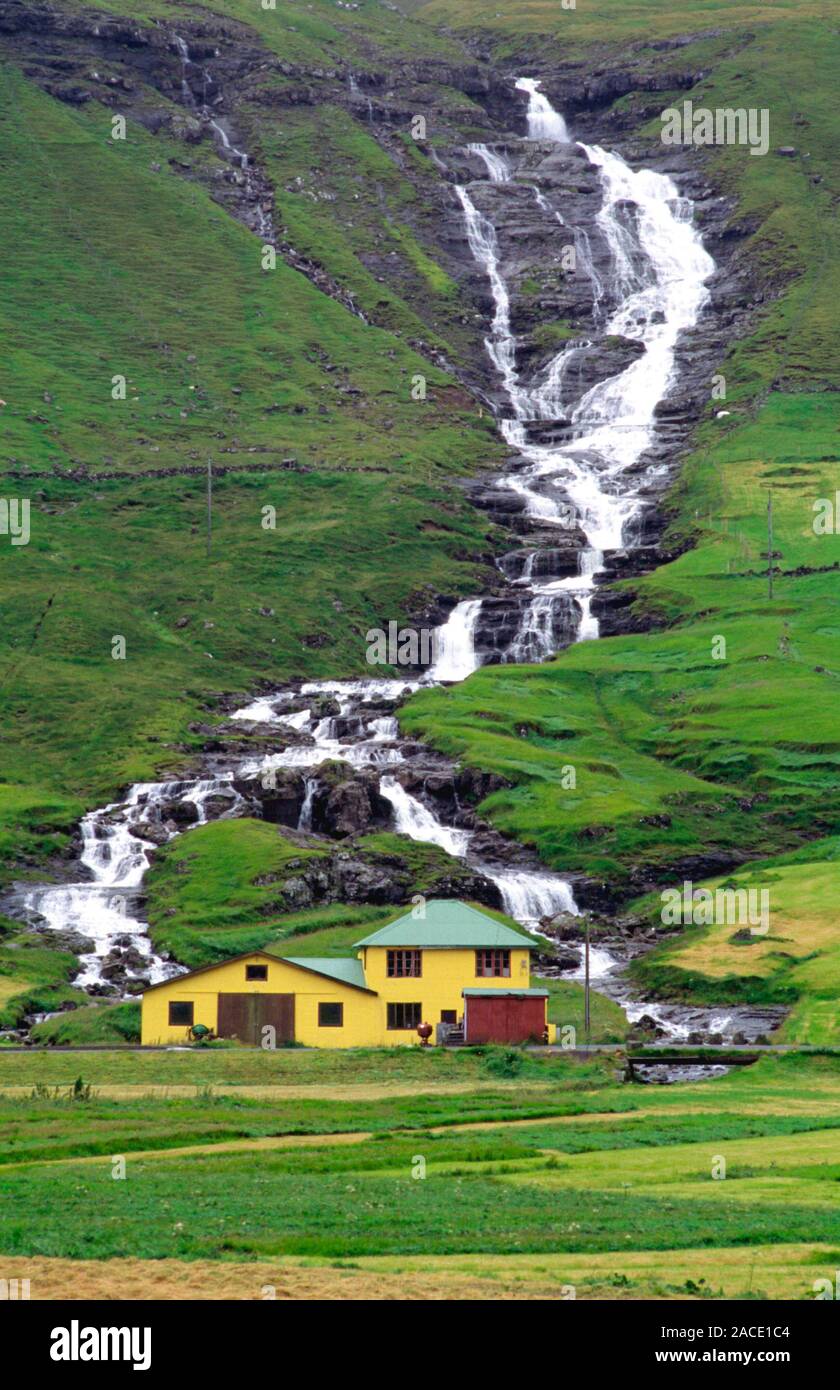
(445, 974)
(361, 1010)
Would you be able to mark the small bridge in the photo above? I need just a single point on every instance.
(709, 1057)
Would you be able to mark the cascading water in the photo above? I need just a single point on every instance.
(495, 163)
(544, 123)
(305, 819)
(114, 853)
(481, 235)
(415, 820)
(456, 656)
(260, 217)
(531, 898)
(656, 290)
(658, 274)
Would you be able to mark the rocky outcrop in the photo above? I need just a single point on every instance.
(353, 876)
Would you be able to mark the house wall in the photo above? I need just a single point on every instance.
(362, 1011)
(445, 974)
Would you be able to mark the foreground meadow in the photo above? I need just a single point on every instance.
(473, 1175)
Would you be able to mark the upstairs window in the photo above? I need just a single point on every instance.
(256, 972)
(180, 1014)
(405, 964)
(404, 1016)
(492, 963)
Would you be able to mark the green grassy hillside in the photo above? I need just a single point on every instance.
(233, 885)
(121, 267)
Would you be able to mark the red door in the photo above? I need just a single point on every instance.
(504, 1018)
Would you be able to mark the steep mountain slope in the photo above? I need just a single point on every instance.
(126, 267)
(296, 127)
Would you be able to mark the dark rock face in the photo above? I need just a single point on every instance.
(179, 813)
(349, 877)
(278, 798)
(540, 564)
(352, 805)
(345, 801)
(74, 941)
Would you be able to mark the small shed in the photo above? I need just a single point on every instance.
(505, 1015)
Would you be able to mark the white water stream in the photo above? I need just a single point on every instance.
(656, 284)
(261, 218)
(658, 272)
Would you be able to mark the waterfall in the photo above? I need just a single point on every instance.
(305, 818)
(527, 896)
(184, 54)
(535, 638)
(547, 398)
(544, 123)
(456, 657)
(415, 820)
(356, 92)
(230, 151)
(496, 165)
(481, 235)
(385, 728)
(530, 897)
(115, 856)
(659, 269)
(617, 416)
(200, 792)
(259, 218)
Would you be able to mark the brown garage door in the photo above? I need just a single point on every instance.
(244, 1016)
(504, 1018)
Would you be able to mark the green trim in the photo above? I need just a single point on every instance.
(517, 993)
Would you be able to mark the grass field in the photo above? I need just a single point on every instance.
(784, 1272)
(435, 1186)
(794, 960)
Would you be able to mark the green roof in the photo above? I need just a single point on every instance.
(347, 969)
(531, 993)
(447, 924)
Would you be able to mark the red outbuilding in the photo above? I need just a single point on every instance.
(505, 1015)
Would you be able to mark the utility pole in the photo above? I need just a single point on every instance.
(770, 545)
(209, 505)
(586, 983)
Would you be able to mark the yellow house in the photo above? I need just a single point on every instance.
(450, 966)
